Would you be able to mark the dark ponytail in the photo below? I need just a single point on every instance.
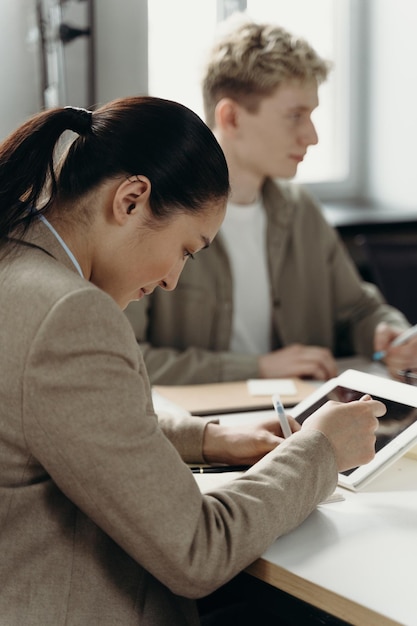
(160, 139)
(27, 163)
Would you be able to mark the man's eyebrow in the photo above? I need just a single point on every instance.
(301, 108)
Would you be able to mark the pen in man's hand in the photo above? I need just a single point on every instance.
(283, 420)
(398, 341)
(219, 469)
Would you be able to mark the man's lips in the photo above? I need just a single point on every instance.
(297, 157)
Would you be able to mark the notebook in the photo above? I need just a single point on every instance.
(232, 397)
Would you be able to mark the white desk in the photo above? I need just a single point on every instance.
(355, 559)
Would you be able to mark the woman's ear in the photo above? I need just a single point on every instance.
(130, 197)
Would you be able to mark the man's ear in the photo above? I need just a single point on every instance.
(227, 115)
(130, 197)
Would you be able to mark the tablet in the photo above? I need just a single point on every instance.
(397, 430)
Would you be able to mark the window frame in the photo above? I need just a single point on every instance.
(352, 186)
(354, 27)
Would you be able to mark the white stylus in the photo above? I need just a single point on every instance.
(283, 420)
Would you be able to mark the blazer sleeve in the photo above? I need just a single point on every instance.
(88, 420)
(318, 279)
(186, 433)
(359, 305)
(167, 365)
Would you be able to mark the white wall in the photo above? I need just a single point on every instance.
(121, 28)
(120, 49)
(392, 117)
(19, 64)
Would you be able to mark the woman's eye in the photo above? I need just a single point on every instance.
(188, 255)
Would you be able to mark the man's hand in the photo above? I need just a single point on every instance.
(397, 358)
(242, 445)
(298, 360)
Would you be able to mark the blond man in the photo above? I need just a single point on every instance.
(276, 294)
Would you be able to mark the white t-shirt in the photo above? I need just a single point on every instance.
(244, 234)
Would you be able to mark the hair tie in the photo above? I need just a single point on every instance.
(79, 120)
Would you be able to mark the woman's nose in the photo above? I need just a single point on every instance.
(171, 279)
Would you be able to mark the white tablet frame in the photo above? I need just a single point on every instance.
(384, 388)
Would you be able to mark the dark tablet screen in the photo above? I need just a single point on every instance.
(397, 418)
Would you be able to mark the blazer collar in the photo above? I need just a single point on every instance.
(41, 237)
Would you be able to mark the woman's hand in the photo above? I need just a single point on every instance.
(350, 428)
(242, 445)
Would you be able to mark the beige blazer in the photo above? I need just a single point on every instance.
(101, 522)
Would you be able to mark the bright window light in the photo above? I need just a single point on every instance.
(181, 32)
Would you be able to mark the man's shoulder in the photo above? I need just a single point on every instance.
(290, 198)
(289, 191)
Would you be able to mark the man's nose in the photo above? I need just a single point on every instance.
(309, 136)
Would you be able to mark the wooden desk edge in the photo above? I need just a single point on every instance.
(319, 597)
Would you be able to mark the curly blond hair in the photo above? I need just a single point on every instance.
(249, 61)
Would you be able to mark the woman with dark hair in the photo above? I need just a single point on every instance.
(101, 521)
